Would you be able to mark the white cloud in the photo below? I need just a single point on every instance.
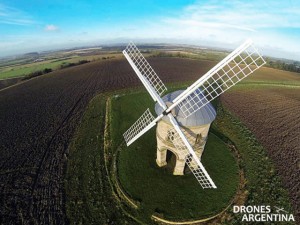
(273, 25)
(253, 14)
(51, 27)
(239, 15)
(14, 16)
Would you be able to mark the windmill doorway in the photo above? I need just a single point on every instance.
(171, 161)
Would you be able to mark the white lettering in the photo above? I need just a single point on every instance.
(262, 209)
(245, 218)
(261, 214)
(253, 209)
(269, 217)
(284, 217)
(291, 217)
(251, 217)
(256, 217)
(242, 209)
(236, 208)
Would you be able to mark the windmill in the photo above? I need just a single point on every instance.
(239, 64)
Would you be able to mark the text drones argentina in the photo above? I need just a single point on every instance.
(263, 213)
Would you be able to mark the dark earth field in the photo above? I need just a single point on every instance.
(8, 82)
(38, 118)
(272, 114)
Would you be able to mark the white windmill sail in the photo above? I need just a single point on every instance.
(154, 86)
(200, 173)
(141, 126)
(144, 71)
(232, 69)
(181, 142)
(236, 66)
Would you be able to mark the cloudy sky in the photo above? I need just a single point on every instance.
(35, 25)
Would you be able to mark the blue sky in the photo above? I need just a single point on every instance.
(35, 25)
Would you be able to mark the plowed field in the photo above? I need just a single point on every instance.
(39, 117)
(37, 120)
(272, 114)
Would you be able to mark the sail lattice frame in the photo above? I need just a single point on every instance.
(145, 120)
(226, 76)
(145, 69)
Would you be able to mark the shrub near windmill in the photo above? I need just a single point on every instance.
(184, 117)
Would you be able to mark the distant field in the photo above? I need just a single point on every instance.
(198, 54)
(22, 70)
(266, 74)
(21, 67)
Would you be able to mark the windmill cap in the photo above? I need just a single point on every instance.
(203, 116)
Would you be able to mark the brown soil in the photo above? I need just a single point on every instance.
(272, 114)
(8, 82)
(39, 117)
(270, 74)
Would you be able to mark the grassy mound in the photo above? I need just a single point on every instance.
(157, 190)
(89, 197)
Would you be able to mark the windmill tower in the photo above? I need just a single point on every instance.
(180, 108)
(195, 127)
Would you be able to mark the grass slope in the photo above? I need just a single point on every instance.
(89, 197)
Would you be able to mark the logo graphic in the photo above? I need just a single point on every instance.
(263, 213)
(278, 210)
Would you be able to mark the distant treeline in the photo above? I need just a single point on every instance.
(70, 64)
(37, 73)
(213, 56)
(281, 65)
(48, 70)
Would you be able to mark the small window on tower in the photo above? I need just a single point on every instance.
(198, 138)
(171, 135)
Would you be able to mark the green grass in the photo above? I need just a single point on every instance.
(22, 70)
(19, 71)
(89, 199)
(157, 190)
(26, 69)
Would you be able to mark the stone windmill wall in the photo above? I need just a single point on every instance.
(197, 138)
(195, 128)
